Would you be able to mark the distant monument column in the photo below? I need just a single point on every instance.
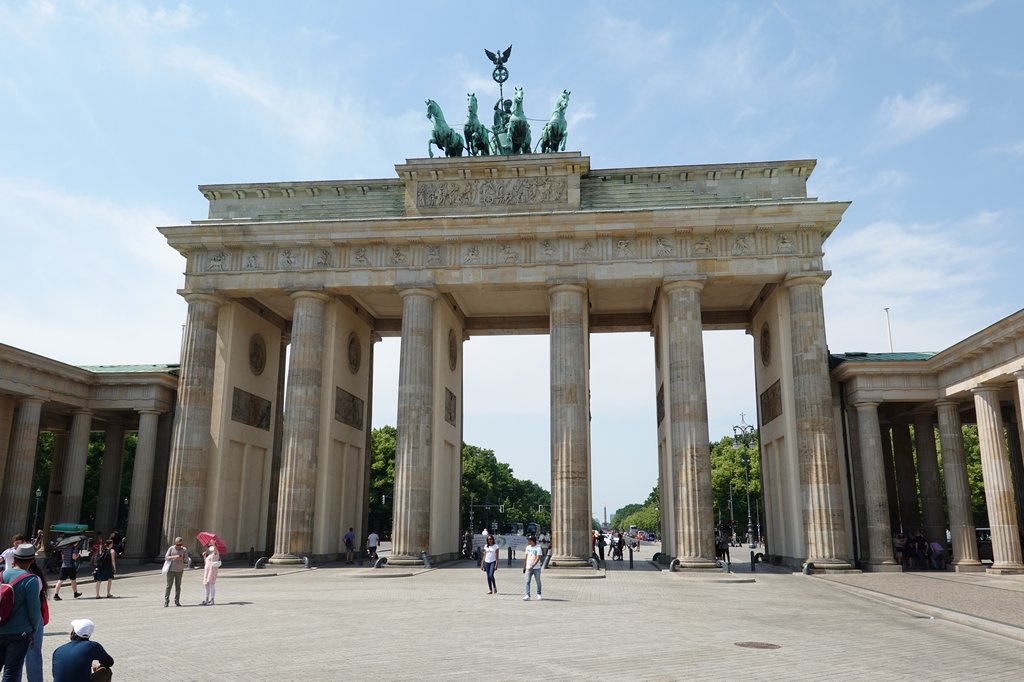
(570, 426)
(142, 484)
(995, 470)
(687, 410)
(906, 478)
(190, 440)
(876, 501)
(414, 446)
(297, 489)
(110, 479)
(958, 490)
(816, 440)
(928, 472)
(74, 467)
(21, 461)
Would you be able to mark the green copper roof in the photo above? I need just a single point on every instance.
(132, 369)
(853, 356)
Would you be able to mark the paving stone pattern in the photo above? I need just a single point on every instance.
(335, 623)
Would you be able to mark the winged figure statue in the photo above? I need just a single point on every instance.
(500, 57)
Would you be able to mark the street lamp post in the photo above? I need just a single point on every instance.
(35, 514)
(741, 435)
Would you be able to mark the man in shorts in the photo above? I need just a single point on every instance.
(371, 544)
(350, 541)
(68, 570)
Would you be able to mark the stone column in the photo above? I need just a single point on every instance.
(570, 425)
(928, 472)
(890, 479)
(414, 447)
(190, 439)
(74, 467)
(1016, 470)
(7, 405)
(54, 493)
(958, 490)
(110, 479)
(995, 470)
(142, 484)
(817, 453)
(297, 490)
(1018, 400)
(876, 499)
(687, 410)
(278, 447)
(21, 462)
(906, 478)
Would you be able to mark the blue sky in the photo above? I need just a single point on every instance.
(113, 112)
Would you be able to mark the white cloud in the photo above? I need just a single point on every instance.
(900, 119)
(973, 6)
(1008, 149)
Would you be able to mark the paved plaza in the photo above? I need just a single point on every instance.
(335, 623)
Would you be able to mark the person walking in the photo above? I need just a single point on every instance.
(68, 570)
(350, 542)
(106, 567)
(372, 540)
(545, 543)
(211, 566)
(34, 657)
(7, 557)
(174, 565)
(601, 543)
(17, 634)
(489, 564)
(81, 658)
(531, 567)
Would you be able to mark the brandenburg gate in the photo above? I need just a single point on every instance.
(457, 247)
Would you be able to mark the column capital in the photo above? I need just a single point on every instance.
(579, 287)
(317, 295)
(819, 277)
(201, 297)
(986, 390)
(84, 411)
(429, 292)
(28, 400)
(673, 284)
(945, 402)
(1019, 375)
(149, 410)
(865, 404)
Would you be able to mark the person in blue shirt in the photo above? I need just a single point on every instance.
(81, 659)
(17, 634)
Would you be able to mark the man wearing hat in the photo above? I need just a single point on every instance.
(81, 659)
(17, 633)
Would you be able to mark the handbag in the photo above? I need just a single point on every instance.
(167, 566)
(216, 564)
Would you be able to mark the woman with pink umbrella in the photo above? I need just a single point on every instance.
(214, 547)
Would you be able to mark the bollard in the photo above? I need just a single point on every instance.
(808, 569)
(510, 556)
(305, 561)
(753, 562)
(262, 562)
(426, 559)
(631, 557)
(381, 561)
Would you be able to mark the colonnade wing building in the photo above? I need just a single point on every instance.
(274, 455)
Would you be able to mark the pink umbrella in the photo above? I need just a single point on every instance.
(206, 539)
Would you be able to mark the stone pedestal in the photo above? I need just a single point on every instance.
(995, 470)
(958, 490)
(414, 446)
(190, 441)
(876, 501)
(296, 492)
(570, 427)
(820, 482)
(687, 411)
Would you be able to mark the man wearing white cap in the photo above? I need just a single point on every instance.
(81, 659)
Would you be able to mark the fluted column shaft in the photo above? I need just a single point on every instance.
(1018, 400)
(74, 467)
(958, 489)
(687, 409)
(995, 470)
(190, 439)
(817, 453)
(414, 442)
(570, 425)
(297, 489)
(890, 479)
(21, 461)
(876, 499)
(906, 478)
(110, 479)
(928, 472)
(142, 484)
(54, 495)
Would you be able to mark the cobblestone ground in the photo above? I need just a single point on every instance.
(334, 623)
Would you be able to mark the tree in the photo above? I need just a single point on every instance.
(620, 515)
(382, 478)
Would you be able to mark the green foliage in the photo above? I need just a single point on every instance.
(620, 515)
(645, 518)
(728, 471)
(488, 487)
(972, 457)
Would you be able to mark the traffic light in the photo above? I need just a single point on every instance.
(501, 509)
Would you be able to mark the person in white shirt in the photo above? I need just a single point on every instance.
(372, 541)
(8, 554)
(545, 544)
(531, 567)
(489, 564)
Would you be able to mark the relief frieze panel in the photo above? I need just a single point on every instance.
(250, 409)
(348, 408)
(492, 192)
